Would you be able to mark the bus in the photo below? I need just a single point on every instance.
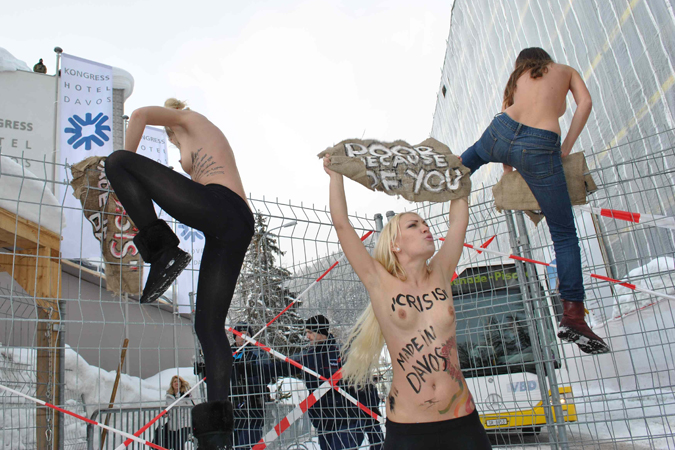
(494, 343)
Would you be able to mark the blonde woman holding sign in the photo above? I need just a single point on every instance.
(212, 201)
(411, 309)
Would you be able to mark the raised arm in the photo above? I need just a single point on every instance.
(150, 115)
(364, 265)
(584, 105)
(448, 256)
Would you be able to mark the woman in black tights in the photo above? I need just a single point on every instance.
(213, 201)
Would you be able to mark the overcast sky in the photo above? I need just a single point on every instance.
(282, 79)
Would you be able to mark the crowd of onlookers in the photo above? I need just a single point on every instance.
(339, 423)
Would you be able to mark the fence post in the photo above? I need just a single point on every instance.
(378, 222)
(548, 344)
(533, 328)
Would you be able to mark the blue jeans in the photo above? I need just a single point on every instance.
(536, 155)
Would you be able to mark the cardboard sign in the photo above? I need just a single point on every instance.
(425, 172)
(513, 193)
(111, 226)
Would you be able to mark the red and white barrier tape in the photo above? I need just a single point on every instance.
(646, 219)
(298, 411)
(302, 294)
(483, 245)
(84, 419)
(305, 369)
(593, 275)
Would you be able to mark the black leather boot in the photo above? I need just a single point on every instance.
(573, 328)
(212, 424)
(158, 245)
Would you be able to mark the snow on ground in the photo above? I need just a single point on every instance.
(655, 275)
(88, 386)
(645, 418)
(641, 418)
(288, 391)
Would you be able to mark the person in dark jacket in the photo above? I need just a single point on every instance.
(249, 391)
(330, 415)
(339, 423)
(370, 398)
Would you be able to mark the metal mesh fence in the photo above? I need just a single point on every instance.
(530, 390)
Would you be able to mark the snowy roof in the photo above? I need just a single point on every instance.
(8, 63)
(123, 80)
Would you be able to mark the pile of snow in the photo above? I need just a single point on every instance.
(95, 384)
(27, 195)
(657, 275)
(288, 391)
(83, 381)
(8, 63)
(640, 419)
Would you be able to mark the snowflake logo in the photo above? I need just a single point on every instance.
(189, 233)
(88, 130)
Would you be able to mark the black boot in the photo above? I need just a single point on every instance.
(158, 245)
(212, 425)
(573, 328)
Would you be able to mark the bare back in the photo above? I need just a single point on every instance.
(419, 327)
(206, 154)
(540, 102)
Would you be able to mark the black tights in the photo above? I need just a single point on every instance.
(227, 223)
(463, 433)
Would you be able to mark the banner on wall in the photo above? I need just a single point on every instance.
(153, 146)
(85, 130)
(192, 241)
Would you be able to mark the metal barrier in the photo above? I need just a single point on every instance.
(169, 431)
(530, 389)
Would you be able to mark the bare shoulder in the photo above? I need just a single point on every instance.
(197, 122)
(562, 69)
(194, 117)
(381, 282)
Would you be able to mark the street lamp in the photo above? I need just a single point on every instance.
(283, 225)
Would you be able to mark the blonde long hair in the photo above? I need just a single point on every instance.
(364, 345)
(184, 386)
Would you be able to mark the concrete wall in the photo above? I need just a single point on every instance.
(94, 326)
(27, 116)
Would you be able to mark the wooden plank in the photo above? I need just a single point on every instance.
(37, 269)
(28, 234)
(9, 239)
(47, 379)
(37, 272)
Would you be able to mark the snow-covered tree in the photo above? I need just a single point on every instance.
(261, 287)
(340, 295)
